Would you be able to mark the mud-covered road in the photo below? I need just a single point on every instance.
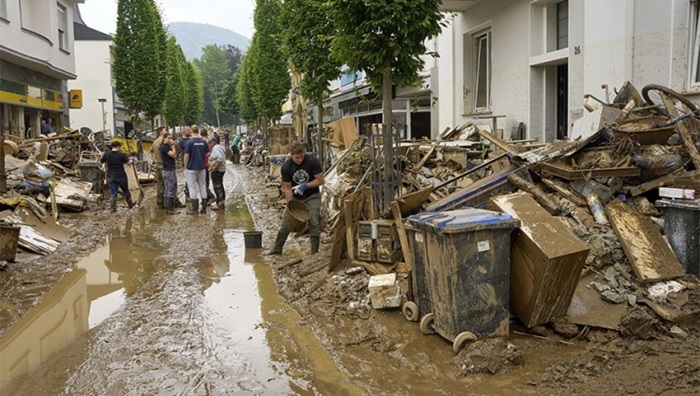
(178, 306)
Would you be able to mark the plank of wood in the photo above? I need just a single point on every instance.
(682, 130)
(572, 196)
(498, 142)
(422, 162)
(658, 182)
(133, 182)
(338, 242)
(403, 239)
(349, 228)
(593, 173)
(650, 256)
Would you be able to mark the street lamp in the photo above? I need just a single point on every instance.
(104, 115)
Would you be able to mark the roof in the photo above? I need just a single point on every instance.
(84, 33)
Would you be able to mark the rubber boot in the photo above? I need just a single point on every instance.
(204, 206)
(170, 206)
(279, 244)
(195, 207)
(130, 202)
(315, 242)
(112, 205)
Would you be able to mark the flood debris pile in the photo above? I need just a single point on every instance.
(44, 176)
(604, 237)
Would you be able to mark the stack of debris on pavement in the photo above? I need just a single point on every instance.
(46, 175)
(606, 236)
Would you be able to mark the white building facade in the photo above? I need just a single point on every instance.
(93, 62)
(531, 62)
(36, 60)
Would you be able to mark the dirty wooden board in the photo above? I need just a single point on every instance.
(650, 256)
(134, 185)
(403, 238)
(29, 238)
(49, 228)
(588, 309)
(567, 173)
(72, 193)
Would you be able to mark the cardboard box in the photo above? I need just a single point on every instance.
(546, 261)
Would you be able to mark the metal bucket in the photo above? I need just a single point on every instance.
(9, 238)
(252, 239)
(296, 216)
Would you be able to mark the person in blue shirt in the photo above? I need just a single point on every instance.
(196, 150)
(46, 127)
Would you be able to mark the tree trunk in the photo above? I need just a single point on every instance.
(388, 193)
(320, 133)
(218, 120)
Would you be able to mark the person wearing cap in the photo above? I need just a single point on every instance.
(196, 150)
(217, 168)
(116, 175)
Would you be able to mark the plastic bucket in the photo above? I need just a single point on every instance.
(296, 216)
(252, 239)
(9, 238)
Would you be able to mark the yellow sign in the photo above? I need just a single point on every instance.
(76, 98)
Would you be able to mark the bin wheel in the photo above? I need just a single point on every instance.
(410, 311)
(461, 339)
(427, 324)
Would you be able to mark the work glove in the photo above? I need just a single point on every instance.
(300, 189)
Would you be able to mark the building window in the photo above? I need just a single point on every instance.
(3, 9)
(482, 68)
(563, 24)
(62, 28)
(695, 43)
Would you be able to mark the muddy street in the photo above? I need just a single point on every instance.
(177, 305)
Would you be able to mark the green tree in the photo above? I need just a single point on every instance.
(215, 73)
(195, 95)
(244, 95)
(269, 65)
(139, 64)
(386, 40)
(227, 101)
(176, 88)
(309, 33)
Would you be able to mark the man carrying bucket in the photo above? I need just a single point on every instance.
(302, 175)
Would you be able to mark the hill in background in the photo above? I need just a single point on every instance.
(193, 36)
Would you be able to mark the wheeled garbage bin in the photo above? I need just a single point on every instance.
(681, 224)
(466, 273)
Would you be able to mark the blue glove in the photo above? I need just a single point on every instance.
(300, 189)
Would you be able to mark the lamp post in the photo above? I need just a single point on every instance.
(104, 115)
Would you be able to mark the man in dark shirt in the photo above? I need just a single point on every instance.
(116, 176)
(168, 153)
(302, 175)
(196, 150)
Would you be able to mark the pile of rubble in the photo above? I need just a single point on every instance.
(605, 235)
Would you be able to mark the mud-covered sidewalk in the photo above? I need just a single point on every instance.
(166, 338)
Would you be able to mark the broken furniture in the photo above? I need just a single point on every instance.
(546, 261)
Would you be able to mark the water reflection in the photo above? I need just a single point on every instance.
(119, 268)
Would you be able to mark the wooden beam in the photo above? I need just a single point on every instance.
(572, 196)
(350, 228)
(683, 131)
(659, 182)
(403, 239)
(422, 162)
(498, 142)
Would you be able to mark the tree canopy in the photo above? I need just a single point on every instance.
(176, 88)
(271, 81)
(195, 95)
(140, 57)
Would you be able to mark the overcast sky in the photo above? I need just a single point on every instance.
(236, 15)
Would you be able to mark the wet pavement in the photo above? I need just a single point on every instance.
(209, 321)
